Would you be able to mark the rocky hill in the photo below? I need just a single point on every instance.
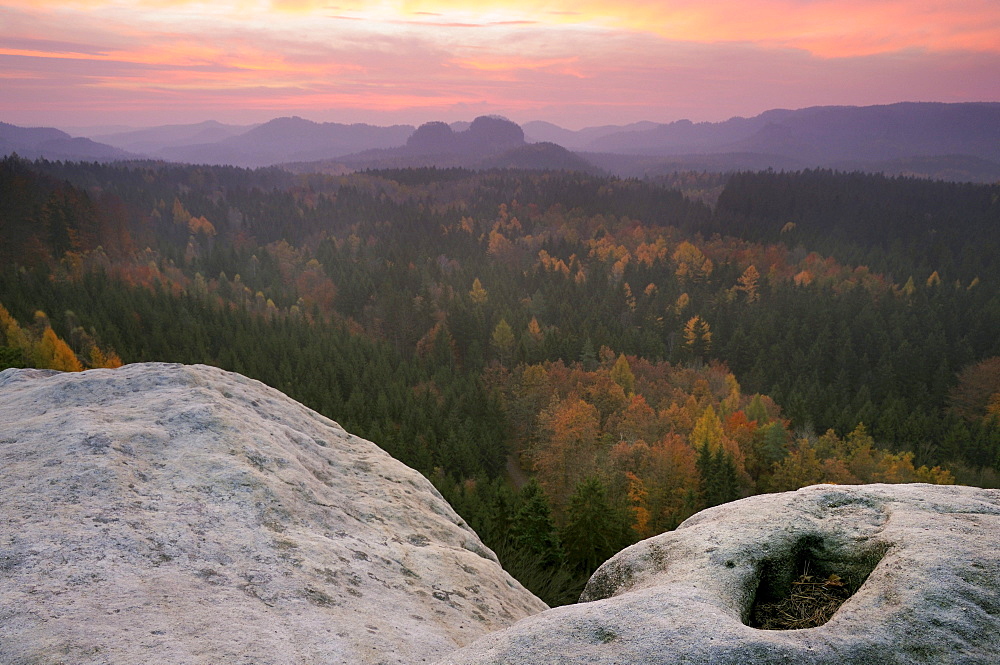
(186, 515)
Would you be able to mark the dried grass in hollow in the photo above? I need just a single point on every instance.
(811, 603)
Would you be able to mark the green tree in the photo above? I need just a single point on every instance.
(503, 341)
(717, 471)
(591, 535)
(533, 529)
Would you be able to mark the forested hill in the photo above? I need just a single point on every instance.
(637, 353)
(899, 226)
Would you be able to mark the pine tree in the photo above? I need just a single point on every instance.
(591, 533)
(588, 356)
(697, 337)
(717, 471)
(503, 341)
(532, 528)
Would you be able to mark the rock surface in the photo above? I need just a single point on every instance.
(182, 514)
(932, 595)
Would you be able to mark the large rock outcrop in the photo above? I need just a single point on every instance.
(486, 136)
(185, 515)
(924, 559)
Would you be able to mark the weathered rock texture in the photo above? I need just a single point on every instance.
(932, 595)
(172, 514)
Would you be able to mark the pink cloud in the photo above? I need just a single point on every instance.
(575, 65)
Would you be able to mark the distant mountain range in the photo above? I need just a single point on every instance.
(943, 141)
(826, 134)
(582, 139)
(34, 142)
(155, 139)
(947, 141)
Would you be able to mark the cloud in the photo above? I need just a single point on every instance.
(586, 63)
(48, 46)
(827, 28)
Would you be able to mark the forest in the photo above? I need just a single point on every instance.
(577, 362)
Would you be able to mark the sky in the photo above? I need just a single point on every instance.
(575, 63)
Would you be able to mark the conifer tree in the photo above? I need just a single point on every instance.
(503, 340)
(588, 355)
(717, 471)
(591, 533)
(532, 528)
(697, 337)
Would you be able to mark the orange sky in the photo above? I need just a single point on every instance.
(587, 62)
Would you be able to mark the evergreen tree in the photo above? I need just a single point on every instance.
(717, 472)
(532, 528)
(592, 533)
(588, 355)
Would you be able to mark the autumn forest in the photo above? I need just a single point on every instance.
(577, 362)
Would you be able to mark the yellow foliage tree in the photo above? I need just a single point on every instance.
(180, 214)
(909, 288)
(11, 333)
(697, 336)
(105, 359)
(535, 330)
(799, 469)
(201, 225)
(691, 263)
(803, 278)
(683, 300)
(993, 406)
(566, 453)
(637, 498)
(935, 476)
(41, 347)
(53, 353)
(707, 430)
(499, 246)
(621, 373)
(503, 340)
(747, 283)
(478, 293)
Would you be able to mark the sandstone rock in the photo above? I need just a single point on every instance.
(932, 595)
(171, 514)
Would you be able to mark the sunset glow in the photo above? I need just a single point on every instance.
(583, 63)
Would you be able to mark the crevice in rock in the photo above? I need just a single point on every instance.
(806, 586)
